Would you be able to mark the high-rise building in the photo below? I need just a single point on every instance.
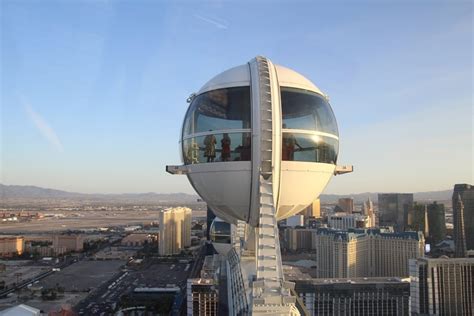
(442, 286)
(313, 210)
(418, 219)
(460, 249)
(11, 245)
(394, 209)
(203, 297)
(346, 205)
(175, 230)
(466, 194)
(365, 252)
(437, 222)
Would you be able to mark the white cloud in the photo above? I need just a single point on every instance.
(43, 127)
(219, 23)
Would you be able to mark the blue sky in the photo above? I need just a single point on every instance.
(93, 92)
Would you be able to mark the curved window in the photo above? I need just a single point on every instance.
(302, 109)
(220, 109)
(217, 148)
(220, 232)
(308, 147)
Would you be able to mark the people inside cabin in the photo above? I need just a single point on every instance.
(289, 145)
(225, 145)
(210, 147)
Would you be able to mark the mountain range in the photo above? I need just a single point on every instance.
(32, 192)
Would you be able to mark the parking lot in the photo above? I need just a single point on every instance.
(83, 275)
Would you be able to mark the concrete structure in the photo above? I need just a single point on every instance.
(295, 220)
(365, 252)
(442, 286)
(346, 205)
(249, 136)
(355, 296)
(394, 209)
(175, 230)
(345, 221)
(11, 245)
(67, 243)
(464, 192)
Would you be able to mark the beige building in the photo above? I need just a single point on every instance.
(175, 230)
(365, 252)
(313, 210)
(442, 286)
(11, 246)
(67, 243)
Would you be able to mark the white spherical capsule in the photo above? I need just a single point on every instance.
(259, 120)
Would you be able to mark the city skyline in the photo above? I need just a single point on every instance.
(93, 94)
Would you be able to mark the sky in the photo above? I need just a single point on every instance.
(93, 93)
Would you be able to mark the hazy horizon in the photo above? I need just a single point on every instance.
(93, 94)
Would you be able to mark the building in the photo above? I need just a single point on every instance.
(437, 222)
(295, 220)
(11, 245)
(463, 219)
(313, 210)
(365, 252)
(355, 296)
(368, 209)
(394, 209)
(346, 205)
(203, 297)
(67, 243)
(203, 293)
(137, 240)
(175, 230)
(298, 238)
(442, 286)
(345, 221)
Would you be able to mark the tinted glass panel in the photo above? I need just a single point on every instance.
(219, 109)
(217, 148)
(312, 148)
(303, 109)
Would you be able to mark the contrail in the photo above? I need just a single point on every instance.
(46, 131)
(212, 21)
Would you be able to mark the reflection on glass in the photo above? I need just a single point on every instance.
(307, 110)
(220, 232)
(307, 147)
(219, 109)
(217, 148)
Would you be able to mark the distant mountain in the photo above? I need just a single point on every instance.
(418, 196)
(33, 192)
